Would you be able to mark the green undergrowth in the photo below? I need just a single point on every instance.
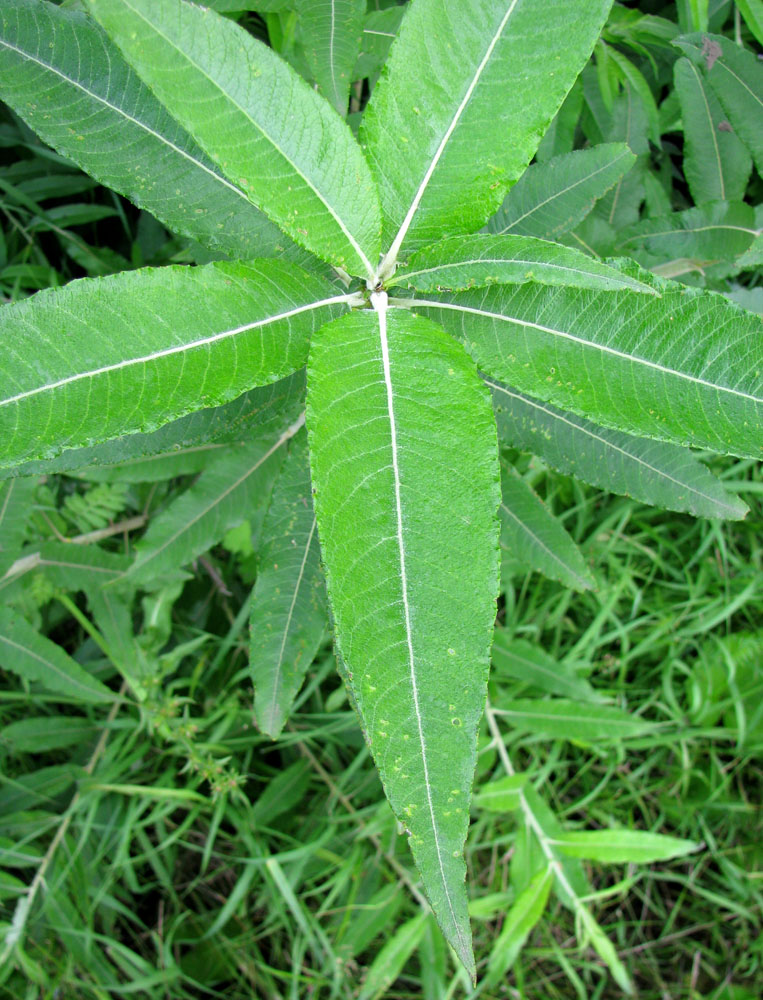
(182, 854)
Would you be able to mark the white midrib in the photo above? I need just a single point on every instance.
(597, 437)
(711, 129)
(552, 555)
(177, 349)
(390, 258)
(287, 626)
(614, 277)
(26, 651)
(330, 208)
(187, 525)
(135, 121)
(433, 304)
(380, 304)
(558, 194)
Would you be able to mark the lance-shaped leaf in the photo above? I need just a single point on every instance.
(289, 600)
(534, 537)
(404, 461)
(707, 234)
(71, 84)
(525, 912)
(617, 357)
(15, 508)
(716, 164)
(570, 720)
(66, 566)
(551, 198)
(35, 658)
(103, 357)
(463, 105)
(523, 661)
(623, 846)
(268, 131)
(736, 76)
(653, 472)
(331, 31)
(261, 410)
(233, 488)
(477, 261)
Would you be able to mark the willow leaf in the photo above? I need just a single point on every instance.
(288, 615)
(266, 408)
(525, 662)
(477, 261)
(561, 719)
(524, 914)
(736, 76)
(617, 357)
(447, 143)
(103, 357)
(552, 198)
(66, 566)
(716, 164)
(534, 537)
(116, 129)
(35, 658)
(16, 498)
(654, 472)
(708, 234)
(233, 488)
(403, 455)
(623, 846)
(268, 131)
(331, 32)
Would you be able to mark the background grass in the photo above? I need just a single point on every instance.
(176, 853)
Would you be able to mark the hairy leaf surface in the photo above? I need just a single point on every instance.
(288, 615)
(403, 453)
(234, 487)
(736, 76)
(102, 357)
(622, 359)
(70, 83)
(331, 31)
(716, 164)
(534, 537)
(653, 472)
(462, 106)
(476, 261)
(552, 198)
(268, 131)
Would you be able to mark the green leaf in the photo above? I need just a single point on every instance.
(234, 487)
(501, 795)
(752, 12)
(654, 472)
(288, 615)
(552, 198)
(67, 567)
(104, 357)
(16, 499)
(269, 132)
(736, 76)
(331, 31)
(476, 261)
(485, 99)
(49, 732)
(388, 964)
(35, 658)
(524, 914)
(623, 846)
(716, 164)
(403, 454)
(568, 720)
(116, 130)
(525, 662)
(534, 537)
(705, 235)
(266, 408)
(618, 358)
(379, 31)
